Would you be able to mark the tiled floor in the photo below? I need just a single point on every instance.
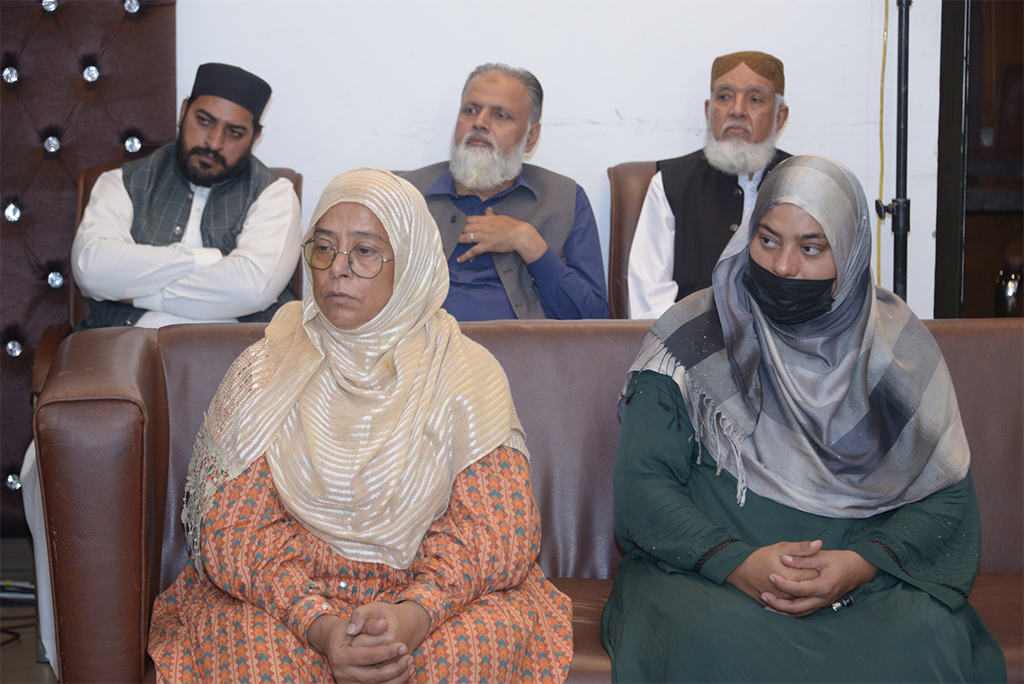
(18, 658)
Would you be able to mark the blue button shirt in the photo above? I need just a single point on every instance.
(571, 289)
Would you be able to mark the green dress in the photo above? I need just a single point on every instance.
(666, 622)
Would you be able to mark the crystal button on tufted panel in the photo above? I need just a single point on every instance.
(82, 82)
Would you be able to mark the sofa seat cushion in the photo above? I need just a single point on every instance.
(999, 599)
(590, 662)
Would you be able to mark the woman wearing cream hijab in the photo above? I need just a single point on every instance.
(359, 504)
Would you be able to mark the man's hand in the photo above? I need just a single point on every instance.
(839, 573)
(388, 663)
(495, 233)
(753, 576)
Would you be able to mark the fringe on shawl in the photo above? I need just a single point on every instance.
(709, 422)
(711, 427)
(206, 474)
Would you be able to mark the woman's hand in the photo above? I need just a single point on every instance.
(387, 663)
(839, 573)
(753, 576)
(375, 624)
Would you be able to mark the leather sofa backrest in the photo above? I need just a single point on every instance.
(628, 182)
(986, 361)
(195, 359)
(117, 417)
(565, 379)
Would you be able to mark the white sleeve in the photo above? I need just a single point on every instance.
(651, 287)
(251, 277)
(105, 260)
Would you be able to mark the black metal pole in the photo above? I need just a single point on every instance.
(900, 207)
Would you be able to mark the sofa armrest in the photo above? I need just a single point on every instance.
(97, 427)
(53, 335)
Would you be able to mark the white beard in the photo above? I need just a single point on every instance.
(738, 157)
(482, 168)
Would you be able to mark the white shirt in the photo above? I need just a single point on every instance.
(185, 282)
(652, 290)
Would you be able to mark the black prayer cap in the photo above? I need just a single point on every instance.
(232, 83)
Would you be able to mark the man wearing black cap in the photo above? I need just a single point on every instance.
(696, 203)
(200, 231)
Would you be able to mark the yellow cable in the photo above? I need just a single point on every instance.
(881, 149)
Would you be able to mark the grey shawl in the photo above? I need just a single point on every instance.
(848, 415)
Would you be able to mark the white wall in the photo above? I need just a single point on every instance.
(377, 82)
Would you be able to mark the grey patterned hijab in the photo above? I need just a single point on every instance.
(847, 415)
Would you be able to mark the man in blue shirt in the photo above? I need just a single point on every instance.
(521, 241)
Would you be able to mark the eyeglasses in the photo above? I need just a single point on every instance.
(364, 262)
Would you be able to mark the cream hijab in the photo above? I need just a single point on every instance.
(364, 430)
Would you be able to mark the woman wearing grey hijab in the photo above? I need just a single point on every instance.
(792, 485)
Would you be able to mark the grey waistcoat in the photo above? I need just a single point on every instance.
(162, 199)
(551, 211)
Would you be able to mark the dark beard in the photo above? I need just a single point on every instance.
(205, 179)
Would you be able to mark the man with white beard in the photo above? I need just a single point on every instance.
(521, 241)
(695, 203)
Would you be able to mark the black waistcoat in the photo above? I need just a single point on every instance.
(708, 207)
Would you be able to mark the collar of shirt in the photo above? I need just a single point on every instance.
(748, 183)
(750, 188)
(193, 236)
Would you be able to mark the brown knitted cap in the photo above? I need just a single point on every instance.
(761, 63)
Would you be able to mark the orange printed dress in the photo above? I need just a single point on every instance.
(494, 616)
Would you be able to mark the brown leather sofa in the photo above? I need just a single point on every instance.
(117, 416)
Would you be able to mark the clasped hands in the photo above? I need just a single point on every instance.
(497, 233)
(374, 644)
(799, 578)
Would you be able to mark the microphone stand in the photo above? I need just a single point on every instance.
(900, 206)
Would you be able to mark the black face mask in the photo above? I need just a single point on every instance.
(788, 301)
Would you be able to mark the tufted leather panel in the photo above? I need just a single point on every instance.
(120, 402)
(629, 183)
(134, 95)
